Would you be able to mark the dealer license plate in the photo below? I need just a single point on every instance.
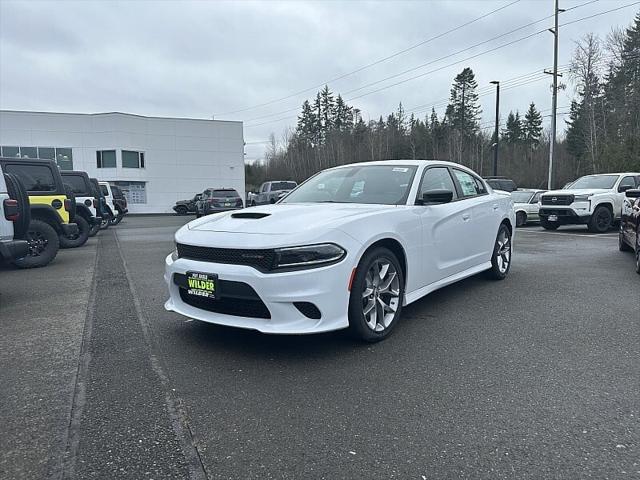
(202, 284)
(227, 204)
(553, 218)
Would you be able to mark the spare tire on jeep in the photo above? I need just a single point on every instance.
(17, 192)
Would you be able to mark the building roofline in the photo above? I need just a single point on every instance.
(120, 113)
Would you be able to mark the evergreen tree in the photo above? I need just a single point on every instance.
(306, 123)
(327, 109)
(532, 126)
(464, 110)
(513, 132)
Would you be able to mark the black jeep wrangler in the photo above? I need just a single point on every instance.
(86, 207)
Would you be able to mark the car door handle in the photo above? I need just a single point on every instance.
(466, 217)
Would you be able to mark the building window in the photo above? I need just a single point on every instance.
(28, 152)
(64, 158)
(134, 192)
(106, 159)
(47, 152)
(10, 151)
(132, 159)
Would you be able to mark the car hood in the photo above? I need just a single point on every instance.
(576, 191)
(286, 219)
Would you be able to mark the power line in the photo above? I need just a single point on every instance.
(450, 64)
(377, 62)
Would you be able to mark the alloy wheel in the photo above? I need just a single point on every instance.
(602, 220)
(37, 243)
(503, 252)
(381, 295)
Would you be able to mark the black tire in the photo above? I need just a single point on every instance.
(622, 245)
(79, 239)
(638, 251)
(104, 223)
(357, 322)
(16, 191)
(601, 220)
(94, 229)
(116, 220)
(547, 225)
(252, 204)
(502, 254)
(521, 219)
(43, 245)
(182, 210)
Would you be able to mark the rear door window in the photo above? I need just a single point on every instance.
(35, 178)
(105, 190)
(77, 184)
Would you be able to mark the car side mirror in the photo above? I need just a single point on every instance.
(624, 188)
(435, 197)
(632, 193)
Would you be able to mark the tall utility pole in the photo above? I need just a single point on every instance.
(554, 101)
(496, 145)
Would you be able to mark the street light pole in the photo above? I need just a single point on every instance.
(496, 144)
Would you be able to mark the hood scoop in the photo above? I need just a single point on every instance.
(251, 215)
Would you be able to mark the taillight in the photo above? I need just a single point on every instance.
(11, 211)
(67, 204)
(239, 202)
(95, 203)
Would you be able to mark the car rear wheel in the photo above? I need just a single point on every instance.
(43, 245)
(521, 219)
(601, 220)
(376, 296)
(547, 225)
(78, 239)
(501, 258)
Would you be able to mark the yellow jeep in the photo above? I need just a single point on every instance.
(52, 210)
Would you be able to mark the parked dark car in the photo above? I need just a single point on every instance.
(218, 200)
(502, 183)
(629, 238)
(271, 192)
(185, 207)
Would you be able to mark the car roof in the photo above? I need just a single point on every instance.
(611, 173)
(404, 163)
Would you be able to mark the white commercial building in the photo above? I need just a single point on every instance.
(155, 161)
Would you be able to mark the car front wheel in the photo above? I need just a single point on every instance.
(601, 220)
(638, 251)
(501, 258)
(376, 296)
(521, 219)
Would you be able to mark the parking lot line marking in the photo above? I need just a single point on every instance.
(567, 234)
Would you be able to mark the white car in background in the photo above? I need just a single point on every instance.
(347, 248)
(525, 203)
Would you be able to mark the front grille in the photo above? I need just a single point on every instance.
(259, 259)
(557, 199)
(251, 308)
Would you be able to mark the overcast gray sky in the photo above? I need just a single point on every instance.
(198, 59)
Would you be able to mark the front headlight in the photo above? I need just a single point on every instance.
(308, 255)
(581, 198)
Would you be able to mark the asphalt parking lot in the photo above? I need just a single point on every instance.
(534, 377)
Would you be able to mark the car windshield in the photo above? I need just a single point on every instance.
(595, 181)
(521, 197)
(370, 184)
(283, 185)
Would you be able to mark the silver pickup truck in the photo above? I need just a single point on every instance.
(271, 192)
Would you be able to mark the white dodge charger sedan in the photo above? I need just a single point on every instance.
(348, 248)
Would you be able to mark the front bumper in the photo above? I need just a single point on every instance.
(13, 249)
(565, 216)
(325, 287)
(69, 229)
